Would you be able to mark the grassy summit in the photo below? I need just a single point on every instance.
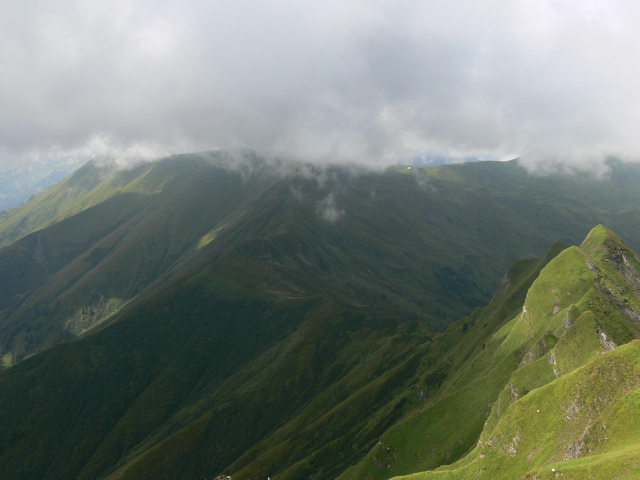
(570, 406)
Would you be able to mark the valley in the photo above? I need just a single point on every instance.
(209, 314)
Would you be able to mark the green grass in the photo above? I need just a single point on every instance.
(285, 345)
(451, 419)
(426, 244)
(543, 428)
(314, 384)
(570, 405)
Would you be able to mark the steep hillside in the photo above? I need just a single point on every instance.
(130, 229)
(243, 357)
(19, 182)
(569, 406)
(427, 243)
(251, 384)
(206, 377)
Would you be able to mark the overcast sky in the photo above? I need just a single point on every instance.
(345, 79)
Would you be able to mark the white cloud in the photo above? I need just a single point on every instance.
(366, 81)
(328, 209)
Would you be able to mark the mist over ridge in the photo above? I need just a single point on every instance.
(348, 240)
(354, 81)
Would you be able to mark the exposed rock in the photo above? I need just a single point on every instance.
(592, 266)
(605, 342)
(527, 358)
(504, 286)
(626, 269)
(514, 393)
(422, 396)
(567, 321)
(573, 409)
(575, 448)
(512, 446)
(554, 364)
(632, 313)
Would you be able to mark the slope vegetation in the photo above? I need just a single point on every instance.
(570, 406)
(278, 320)
(428, 243)
(207, 376)
(255, 385)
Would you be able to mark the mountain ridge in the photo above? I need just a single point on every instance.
(416, 242)
(283, 325)
(560, 365)
(426, 382)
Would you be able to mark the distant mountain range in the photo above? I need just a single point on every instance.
(230, 314)
(19, 182)
(428, 159)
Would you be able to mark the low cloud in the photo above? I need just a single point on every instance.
(328, 209)
(122, 154)
(548, 163)
(366, 82)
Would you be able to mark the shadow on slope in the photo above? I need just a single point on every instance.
(562, 406)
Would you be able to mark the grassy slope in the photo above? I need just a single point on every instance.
(418, 388)
(314, 388)
(461, 378)
(19, 183)
(421, 243)
(176, 378)
(55, 203)
(410, 245)
(569, 405)
(206, 377)
(307, 388)
(63, 279)
(77, 408)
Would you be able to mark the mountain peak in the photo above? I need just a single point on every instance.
(599, 237)
(330, 365)
(575, 342)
